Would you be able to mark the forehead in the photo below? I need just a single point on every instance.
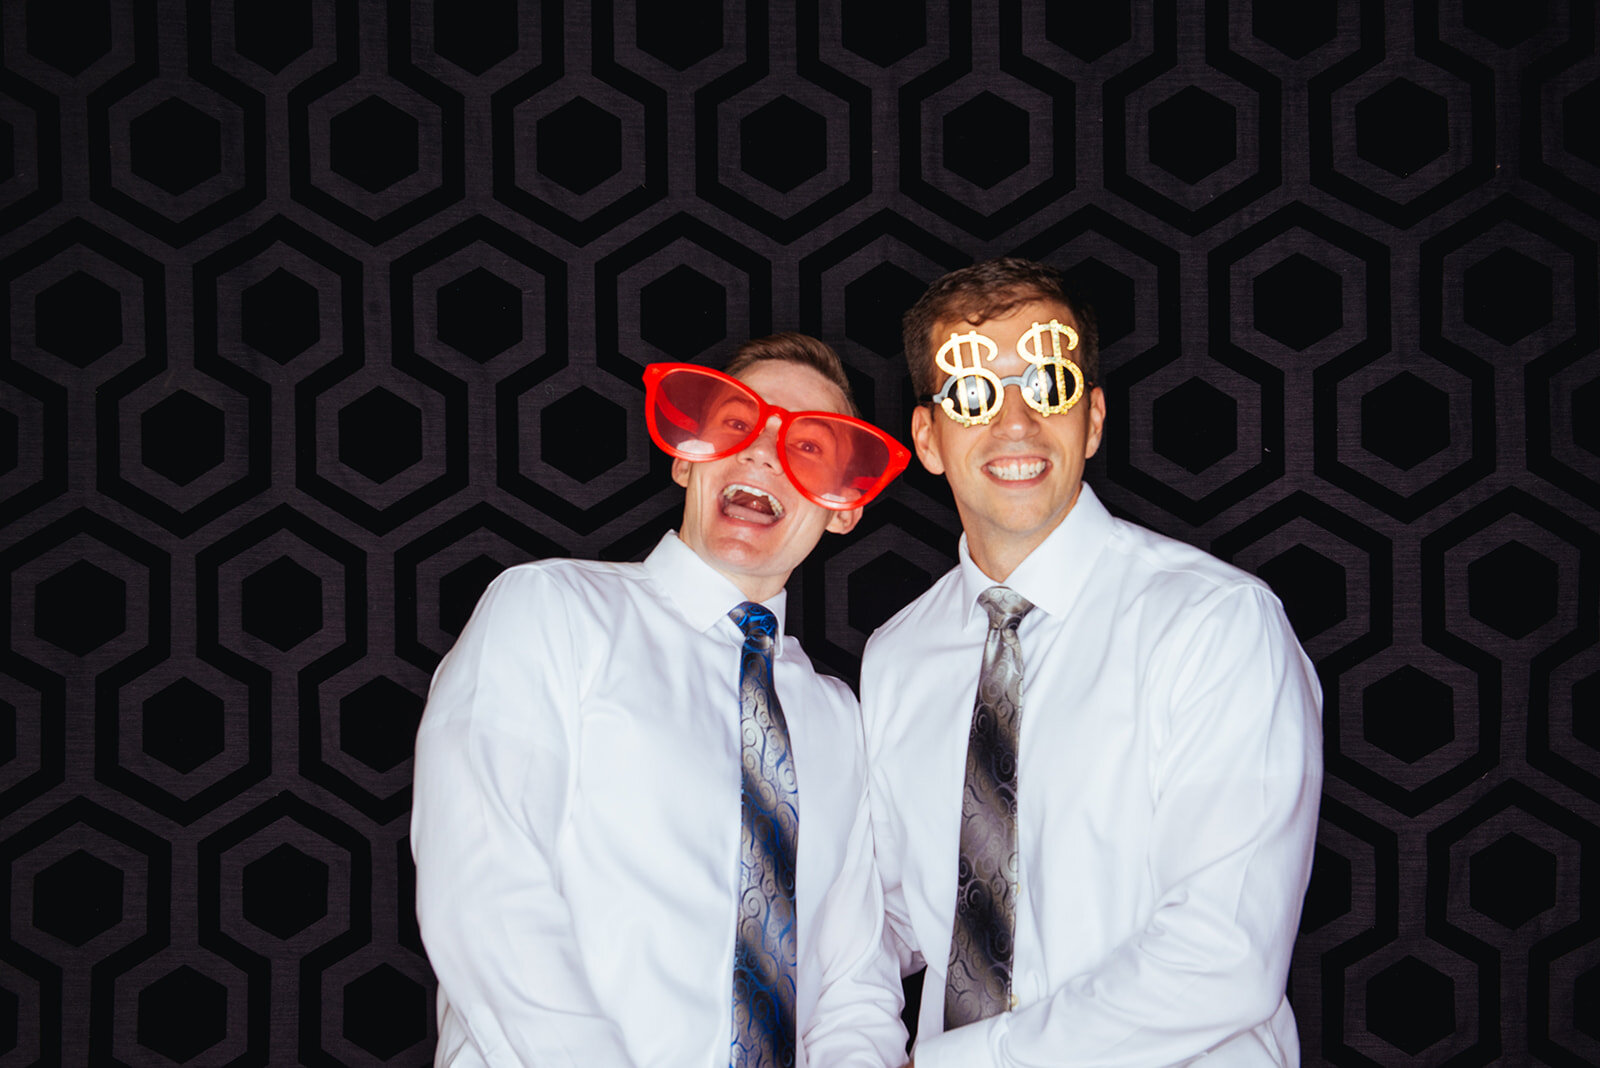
(1014, 321)
(793, 386)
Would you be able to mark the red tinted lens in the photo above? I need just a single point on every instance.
(834, 459)
(700, 416)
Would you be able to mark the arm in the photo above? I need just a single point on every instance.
(1238, 778)
(492, 781)
(857, 1019)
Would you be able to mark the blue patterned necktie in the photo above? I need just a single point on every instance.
(978, 984)
(764, 940)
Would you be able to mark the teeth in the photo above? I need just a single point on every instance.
(732, 491)
(1015, 470)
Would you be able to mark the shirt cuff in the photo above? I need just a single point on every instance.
(966, 1047)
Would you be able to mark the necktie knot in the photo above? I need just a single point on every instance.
(1005, 606)
(757, 622)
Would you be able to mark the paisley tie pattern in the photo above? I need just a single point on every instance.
(978, 983)
(764, 941)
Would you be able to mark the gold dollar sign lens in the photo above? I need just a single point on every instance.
(1050, 370)
(962, 358)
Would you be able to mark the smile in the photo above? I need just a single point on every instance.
(1015, 470)
(751, 504)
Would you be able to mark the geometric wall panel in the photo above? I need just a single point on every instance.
(319, 316)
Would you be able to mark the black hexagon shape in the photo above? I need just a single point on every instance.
(885, 32)
(69, 34)
(986, 140)
(1408, 714)
(873, 304)
(1578, 128)
(272, 33)
(680, 34)
(1405, 421)
(279, 316)
(380, 435)
(1586, 1002)
(480, 315)
(475, 36)
(1089, 31)
(1328, 896)
(174, 146)
(180, 437)
(80, 608)
(1586, 710)
(285, 891)
(8, 736)
(1193, 134)
(8, 152)
(876, 590)
(1586, 416)
(378, 723)
(77, 898)
(1296, 29)
(1512, 589)
(683, 313)
(182, 1014)
(583, 435)
(783, 143)
(460, 589)
(8, 1021)
(384, 1012)
(1194, 425)
(1410, 1005)
(1402, 127)
(579, 145)
(1311, 586)
(1298, 302)
(1108, 291)
(1508, 296)
(373, 144)
(183, 726)
(78, 319)
(282, 604)
(1512, 880)
(10, 442)
(1507, 25)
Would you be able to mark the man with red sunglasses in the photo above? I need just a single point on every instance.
(1095, 751)
(640, 818)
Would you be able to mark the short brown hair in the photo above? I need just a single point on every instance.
(990, 290)
(791, 347)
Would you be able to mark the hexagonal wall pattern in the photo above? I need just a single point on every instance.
(322, 315)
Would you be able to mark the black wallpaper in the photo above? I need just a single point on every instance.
(321, 312)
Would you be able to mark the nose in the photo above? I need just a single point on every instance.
(764, 449)
(1015, 419)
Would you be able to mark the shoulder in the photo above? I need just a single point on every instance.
(911, 622)
(1153, 564)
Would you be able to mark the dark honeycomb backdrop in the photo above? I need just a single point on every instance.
(320, 313)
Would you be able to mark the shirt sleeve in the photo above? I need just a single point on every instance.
(1237, 778)
(493, 771)
(857, 1019)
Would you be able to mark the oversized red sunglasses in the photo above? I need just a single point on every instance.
(836, 461)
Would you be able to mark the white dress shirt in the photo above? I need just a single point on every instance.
(1168, 779)
(576, 828)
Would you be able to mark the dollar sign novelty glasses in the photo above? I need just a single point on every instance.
(973, 394)
(697, 414)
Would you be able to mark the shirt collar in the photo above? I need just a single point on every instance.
(701, 594)
(1054, 574)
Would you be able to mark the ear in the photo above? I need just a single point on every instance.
(680, 472)
(924, 440)
(843, 522)
(1097, 421)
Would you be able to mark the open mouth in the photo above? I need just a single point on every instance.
(750, 504)
(1016, 470)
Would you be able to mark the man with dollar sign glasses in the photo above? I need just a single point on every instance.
(640, 822)
(1095, 751)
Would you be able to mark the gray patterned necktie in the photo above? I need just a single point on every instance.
(764, 947)
(978, 984)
